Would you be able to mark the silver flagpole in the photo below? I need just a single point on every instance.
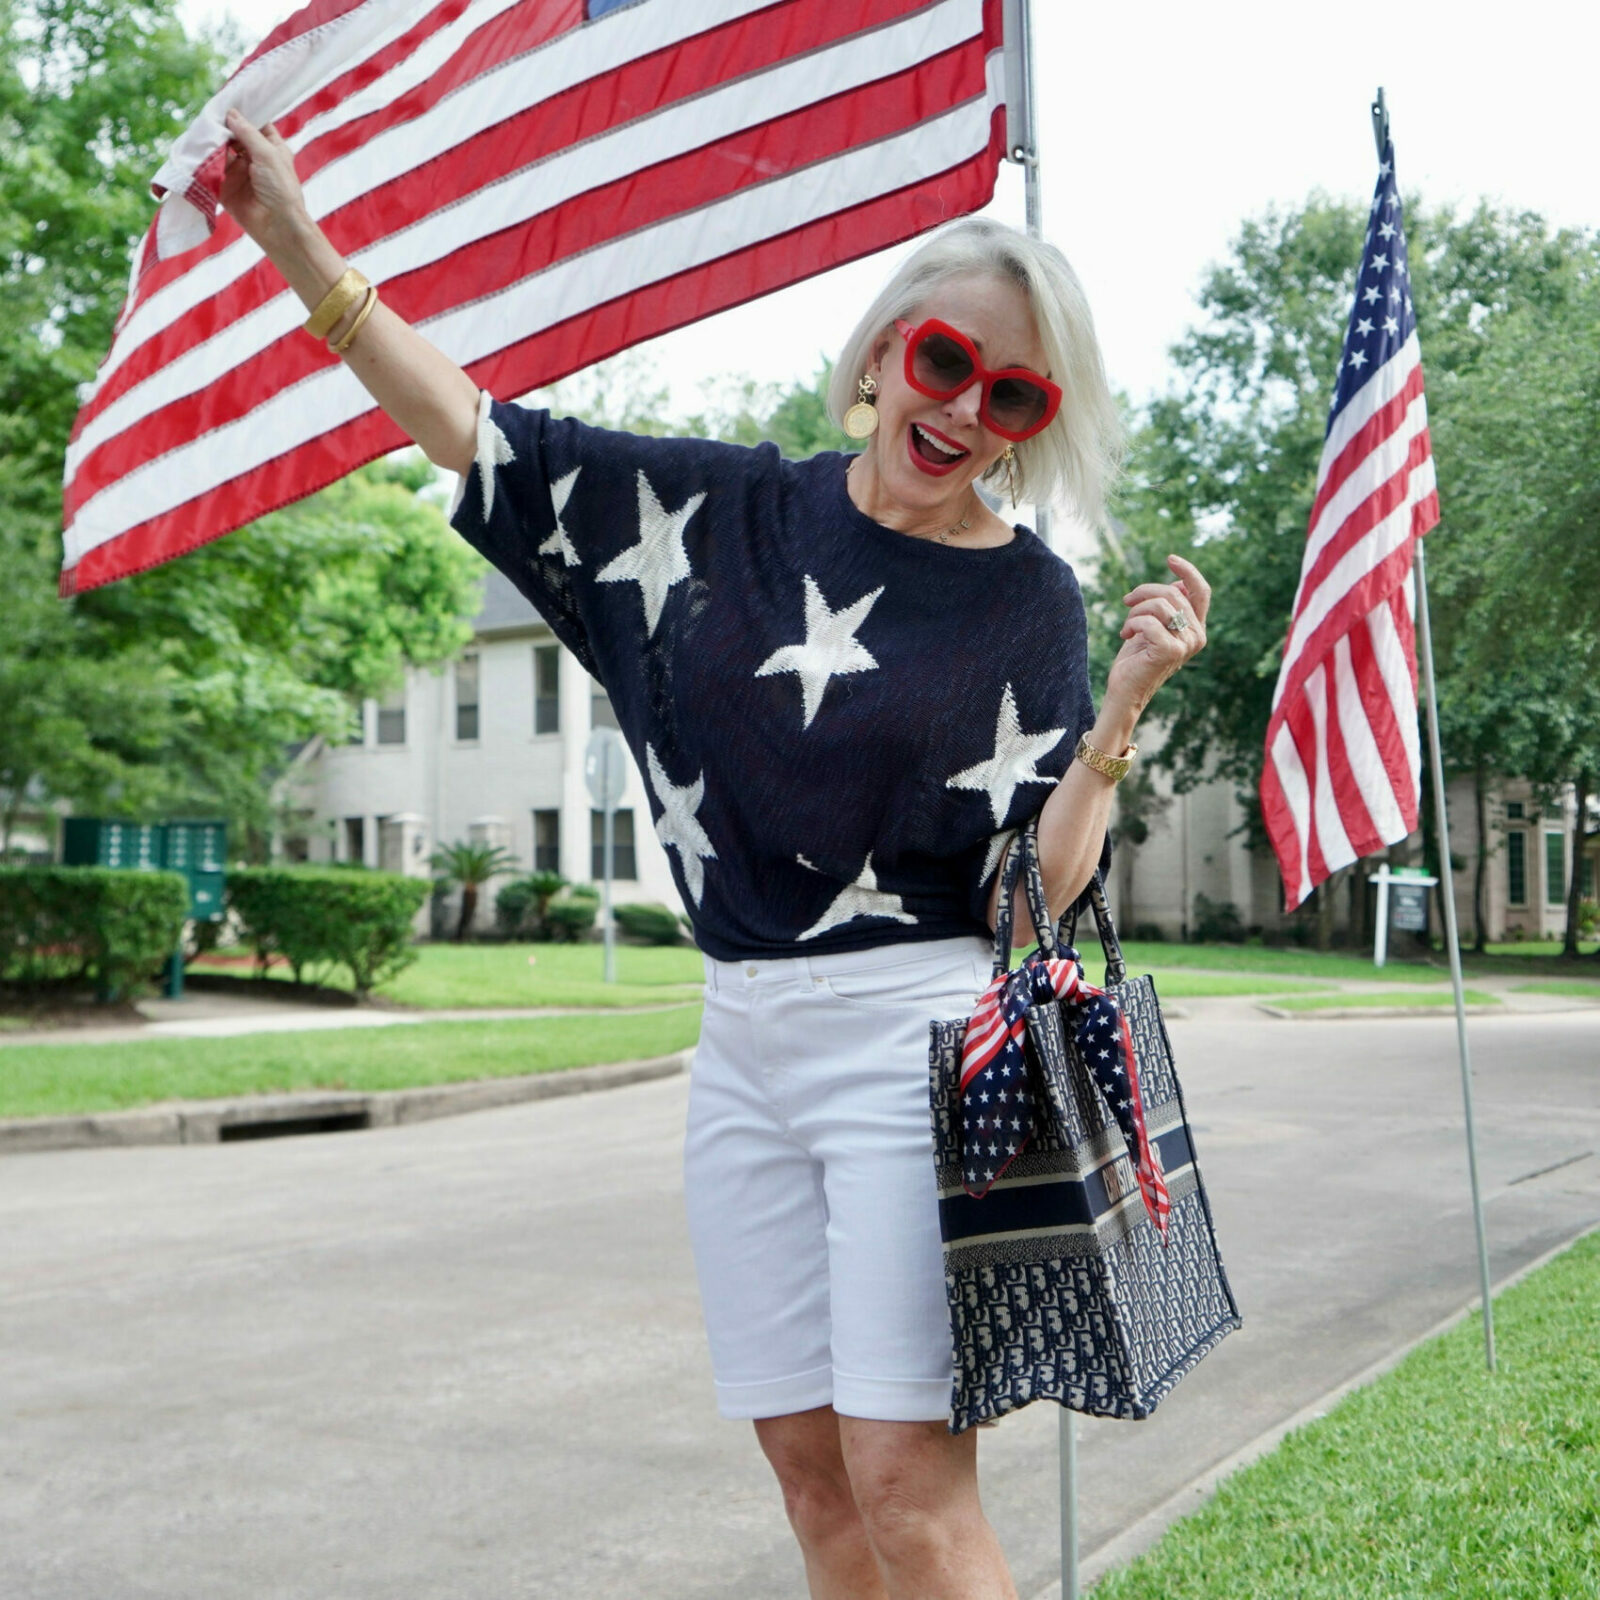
(1380, 133)
(1023, 148)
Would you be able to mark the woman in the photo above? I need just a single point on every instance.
(845, 679)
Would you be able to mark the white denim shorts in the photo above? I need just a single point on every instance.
(808, 1173)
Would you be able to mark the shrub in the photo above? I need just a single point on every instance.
(101, 924)
(1149, 932)
(1588, 918)
(322, 917)
(654, 924)
(572, 913)
(519, 908)
(1217, 921)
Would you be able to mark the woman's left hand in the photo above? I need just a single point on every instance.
(1152, 651)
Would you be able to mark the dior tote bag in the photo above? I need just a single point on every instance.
(1081, 1264)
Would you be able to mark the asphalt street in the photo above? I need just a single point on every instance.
(464, 1358)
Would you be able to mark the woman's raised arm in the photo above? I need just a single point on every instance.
(431, 399)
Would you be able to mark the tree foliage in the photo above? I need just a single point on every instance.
(178, 689)
(1223, 469)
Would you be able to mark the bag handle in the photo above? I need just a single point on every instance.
(1021, 860)
(1095, 894)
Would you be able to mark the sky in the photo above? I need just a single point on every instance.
(1163, 126)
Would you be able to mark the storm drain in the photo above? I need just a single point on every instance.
(285, 1127)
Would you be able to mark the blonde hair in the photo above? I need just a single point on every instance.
(1076, 458)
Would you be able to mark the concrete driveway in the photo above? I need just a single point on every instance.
(464, 1358)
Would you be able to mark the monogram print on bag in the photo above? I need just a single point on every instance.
(1095, 1313)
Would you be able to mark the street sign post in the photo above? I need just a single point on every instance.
(605, 770)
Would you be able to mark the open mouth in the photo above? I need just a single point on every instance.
(932, 451)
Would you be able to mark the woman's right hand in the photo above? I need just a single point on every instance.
(259, 188)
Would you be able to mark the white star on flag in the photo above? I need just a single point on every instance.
(559, 543)
(658, 560)
(830, 648)
(678, 828)
(1013, 761)
(863, 898)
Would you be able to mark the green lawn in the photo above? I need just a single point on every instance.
(1174, 983)
(46, 1080)
(1398, 997)
(1437, 1480)
(1575, 990)
(1538, 947)
(445, 976)
(1142, 955)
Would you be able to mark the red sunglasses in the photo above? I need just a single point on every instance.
(941, 362)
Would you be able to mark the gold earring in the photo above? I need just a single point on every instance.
(1009, 456)
(861, 420)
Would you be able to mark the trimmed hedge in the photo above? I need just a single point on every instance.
(652, 923)
(327, 916)
(105, 925)
(571, 914)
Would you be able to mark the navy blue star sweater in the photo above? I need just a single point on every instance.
(838, 723)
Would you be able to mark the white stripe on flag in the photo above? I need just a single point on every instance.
(332, 396)
(1366, 763)
(1390, 653)
(529, 192)
(1297, 796)
(1368, 400)
(1332, 840)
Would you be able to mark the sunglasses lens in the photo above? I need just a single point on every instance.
(940, 363)
(1017, 404)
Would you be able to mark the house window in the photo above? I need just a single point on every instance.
(392, 717)
(1517, 868)
(602, 714)
(467, 697)
(355, 839)
(1555, 869)
(547, 841)
(1515, 811)
(547, 688)
(624, 864)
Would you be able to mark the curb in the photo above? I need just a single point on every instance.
(1324, 1013)
(316, 1110)
(1134, 1541)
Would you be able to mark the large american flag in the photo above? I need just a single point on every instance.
(535, 184)
(1343, 760)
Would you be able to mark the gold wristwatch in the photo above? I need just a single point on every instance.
(1113, 767)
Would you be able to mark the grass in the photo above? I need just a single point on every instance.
(1539, 947)
(55, 1080)
(1576, 990)
(1399, 997)
(1174, 983)
(1143, 955)
(446, 976)
(1437, 1480)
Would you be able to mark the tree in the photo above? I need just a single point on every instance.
(1223, 468)
(471, 866)
(178, 689)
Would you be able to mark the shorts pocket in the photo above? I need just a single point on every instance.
(944, 984)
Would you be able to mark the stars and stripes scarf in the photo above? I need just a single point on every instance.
(996, 1110)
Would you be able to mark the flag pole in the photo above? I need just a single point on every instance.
(1022, 147)
(1380, 133)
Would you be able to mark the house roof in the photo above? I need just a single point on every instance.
(505, 609)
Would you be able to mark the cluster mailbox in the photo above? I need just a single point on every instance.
(196, 849)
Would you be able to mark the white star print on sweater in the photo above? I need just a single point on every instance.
(811, 696)
(1014, 760)
(830, 648)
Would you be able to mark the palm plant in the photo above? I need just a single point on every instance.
(471, 866)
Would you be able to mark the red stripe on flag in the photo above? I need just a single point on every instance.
(1354, 814)
(1386, 734)
(1383, 422)
(717, 286)
(630, 206)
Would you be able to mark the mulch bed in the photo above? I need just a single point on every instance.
(29, 1010)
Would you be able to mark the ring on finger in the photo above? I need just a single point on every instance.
(1178, 621)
